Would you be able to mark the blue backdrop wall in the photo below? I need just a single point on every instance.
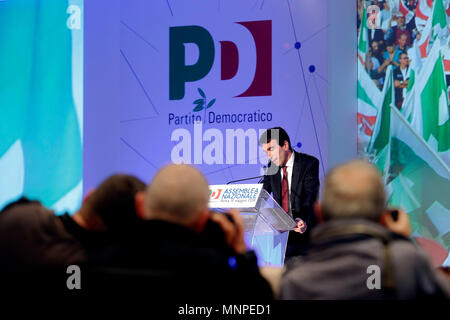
(151, 68)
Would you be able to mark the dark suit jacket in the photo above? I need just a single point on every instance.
(304, 190)
(377, 36)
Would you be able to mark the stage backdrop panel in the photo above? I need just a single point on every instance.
(237, 67)
(41, 102)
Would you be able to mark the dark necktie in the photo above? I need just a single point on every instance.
(285, 191)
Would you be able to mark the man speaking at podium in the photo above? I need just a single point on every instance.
(293, 179)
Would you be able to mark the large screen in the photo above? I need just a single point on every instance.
(403, 110)
(41, 102)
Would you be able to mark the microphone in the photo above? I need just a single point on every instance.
(261, 177)
(245, 179)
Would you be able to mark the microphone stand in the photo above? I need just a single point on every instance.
(239, 180)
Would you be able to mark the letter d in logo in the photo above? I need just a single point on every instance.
(180, 73)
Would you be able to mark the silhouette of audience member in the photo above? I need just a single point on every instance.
(360, 251)
(36, 246)
(181, 250)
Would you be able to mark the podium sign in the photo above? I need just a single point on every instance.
(266, 224)
(234, 196)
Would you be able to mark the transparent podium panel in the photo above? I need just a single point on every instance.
(267, 228)
(268, 244)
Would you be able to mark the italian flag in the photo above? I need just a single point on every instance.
(419, 181)
(413, 71)
(38, 122)
(423, 11)
(369, 97)
(363, 39)
(430, 118)
(379, 144)
(439, 20)
(408, 14)
(436, 27)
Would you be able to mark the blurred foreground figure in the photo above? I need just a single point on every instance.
(361, 251)
(182, 251)
(37, 246)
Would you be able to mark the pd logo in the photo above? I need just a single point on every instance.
(214, 195)
(180, 73)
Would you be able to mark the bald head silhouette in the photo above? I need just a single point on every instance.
(178, 194)
(353, 190)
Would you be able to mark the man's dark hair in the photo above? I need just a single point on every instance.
(276, 133)
(21, 201)
(114, 201)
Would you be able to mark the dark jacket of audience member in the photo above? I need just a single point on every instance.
(338, 266)
(361, 251)
(181, 251)
(33, 236)
(37, 246)
(167, 261)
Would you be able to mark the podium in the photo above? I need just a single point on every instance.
(266, 224)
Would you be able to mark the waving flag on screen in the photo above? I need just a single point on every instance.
(363, 38)
(379, 143)
(430, 118)
(423, 11)
(436, 27)
(408, 14)
(36, 102)
(414, 167)
(368, 99)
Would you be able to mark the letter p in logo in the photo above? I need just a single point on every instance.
(180, 73)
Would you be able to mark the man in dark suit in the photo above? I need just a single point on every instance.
(293, 179)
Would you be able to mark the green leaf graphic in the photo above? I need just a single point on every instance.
(199, 101)
(198, 108)
(201, 93)
(211, 103)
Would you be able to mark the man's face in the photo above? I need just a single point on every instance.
(402, 40)
(403, 60)
(276, 153)
(374, 46)
(401, 21)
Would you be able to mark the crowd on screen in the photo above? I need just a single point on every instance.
(390, 40)
(389, 44)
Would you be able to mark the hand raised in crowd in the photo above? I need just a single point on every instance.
(400, 226)
(385, 64)
(233, 230)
